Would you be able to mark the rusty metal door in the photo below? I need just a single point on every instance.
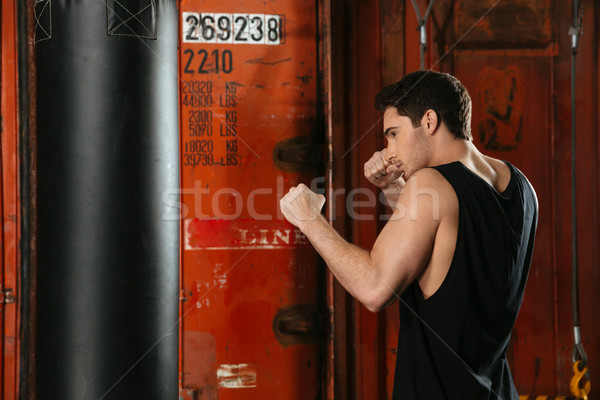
(250, 283)
(519, 82)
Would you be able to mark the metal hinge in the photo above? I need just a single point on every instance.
(188, 393)
(7, 296)
(184, 294)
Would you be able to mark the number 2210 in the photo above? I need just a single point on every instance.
(224, 62)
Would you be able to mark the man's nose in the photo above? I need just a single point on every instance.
(390, 154)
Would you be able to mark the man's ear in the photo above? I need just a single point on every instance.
(430, 122)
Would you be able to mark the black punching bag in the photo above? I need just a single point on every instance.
(107, 156)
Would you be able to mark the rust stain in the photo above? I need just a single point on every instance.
(261, 61)
(305, 78)
(501, 94)
(529, 21)
(198, 379)
(188, 393)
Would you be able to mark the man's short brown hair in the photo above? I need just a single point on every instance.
(420, 91)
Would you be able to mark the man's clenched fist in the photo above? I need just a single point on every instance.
(301, 204)
(381, 171)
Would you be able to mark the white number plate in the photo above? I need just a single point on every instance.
(233, 28)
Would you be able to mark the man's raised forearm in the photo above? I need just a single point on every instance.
(351, 265)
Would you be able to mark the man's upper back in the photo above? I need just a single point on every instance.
(497, 174)
(453, 341)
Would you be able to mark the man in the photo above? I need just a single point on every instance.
(456, 251)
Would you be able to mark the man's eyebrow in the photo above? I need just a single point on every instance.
(388, 130)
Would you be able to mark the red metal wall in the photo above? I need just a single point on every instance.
(10, 205)
(250, 280)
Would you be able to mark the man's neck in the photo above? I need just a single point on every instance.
(448, 148)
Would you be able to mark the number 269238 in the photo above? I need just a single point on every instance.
(233, 28)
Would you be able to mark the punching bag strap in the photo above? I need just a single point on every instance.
(42, 12)
(422, 29)
(135, 18)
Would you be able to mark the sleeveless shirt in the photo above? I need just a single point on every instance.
(453, 344)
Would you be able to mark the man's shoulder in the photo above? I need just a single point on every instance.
(429, 177)
(430, 186)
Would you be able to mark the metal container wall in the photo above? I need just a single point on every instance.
(10, 212)
(250, 294)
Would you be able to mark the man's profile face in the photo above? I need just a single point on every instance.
(407, 146)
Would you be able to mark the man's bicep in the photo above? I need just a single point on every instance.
(405, 244)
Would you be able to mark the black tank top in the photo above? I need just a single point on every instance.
(453, 344)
